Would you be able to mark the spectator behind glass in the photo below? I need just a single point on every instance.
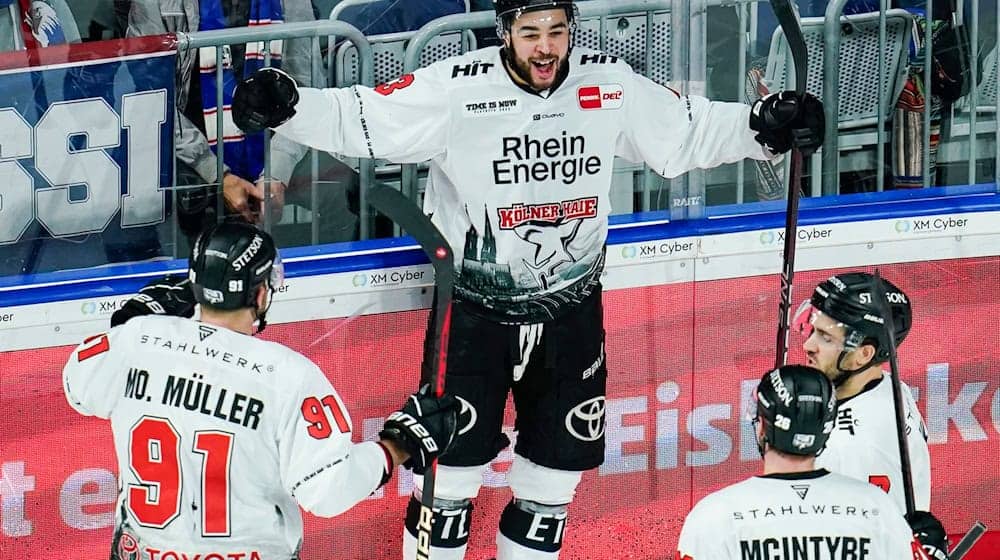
(243, 184)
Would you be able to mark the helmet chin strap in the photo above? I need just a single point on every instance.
(844, 374)
(261, 316)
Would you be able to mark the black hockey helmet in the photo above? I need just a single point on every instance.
(509, 10)
(847, 299)
(229, 262)
(797, 405)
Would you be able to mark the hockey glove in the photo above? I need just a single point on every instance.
(164, 296)
(424, 427)
(787, 119)
(930, 533)
(264, 100)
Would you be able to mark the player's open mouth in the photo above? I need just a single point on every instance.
(544, 68)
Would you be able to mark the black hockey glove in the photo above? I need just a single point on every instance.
(264, 100)
(931, 534)
(787, 119)
(164, 296)
(424, 427)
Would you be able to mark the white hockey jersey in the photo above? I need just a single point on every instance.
(803, 516)
(219, 436)
(864, 444)
(519, 182)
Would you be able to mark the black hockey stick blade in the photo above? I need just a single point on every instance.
(968, 541)
(878, 295)
(785, 14)
(412, 219)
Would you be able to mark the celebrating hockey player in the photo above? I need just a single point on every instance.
(847, 340)
(795, 510)
(220, 436)
(521, 141)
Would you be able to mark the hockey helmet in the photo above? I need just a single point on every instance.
(847, 299)
(509, 10)
(229, 261)
(797, 405)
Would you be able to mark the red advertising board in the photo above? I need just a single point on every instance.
(680, 359)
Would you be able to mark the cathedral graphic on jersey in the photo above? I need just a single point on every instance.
(480, 270)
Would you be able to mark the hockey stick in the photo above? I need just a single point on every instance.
(878, 295)
(978, 529)
(411, 218)
(968, 541)
(797, 46)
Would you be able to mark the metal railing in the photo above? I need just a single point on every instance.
(684, 68)
(266, 34)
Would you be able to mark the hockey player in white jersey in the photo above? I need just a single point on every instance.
(795, 510)
(220, 436)
(846, 339)
(521, 141)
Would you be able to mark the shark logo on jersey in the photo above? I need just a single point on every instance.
(551, 227)
(551, 248)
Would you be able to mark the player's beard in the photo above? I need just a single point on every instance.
(536, 78)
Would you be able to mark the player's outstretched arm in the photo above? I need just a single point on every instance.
(328, 474)
(675, 134)
(404, 121)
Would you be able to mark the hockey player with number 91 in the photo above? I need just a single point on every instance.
(521, 142)
(221, 436)
(796, 510)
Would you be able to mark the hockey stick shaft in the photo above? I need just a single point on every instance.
(411, 218)
(797, 47)
(968, 541)
(878, 295)
(788, 258)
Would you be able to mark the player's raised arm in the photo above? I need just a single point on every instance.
(674, 134)
(405, 120)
